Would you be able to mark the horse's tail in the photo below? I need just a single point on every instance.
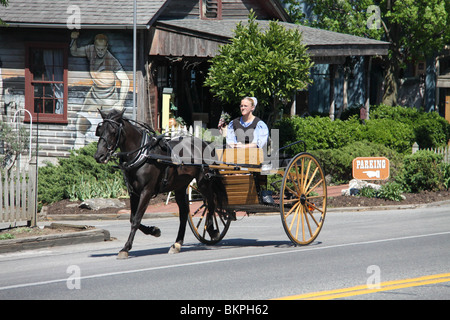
(219, 191)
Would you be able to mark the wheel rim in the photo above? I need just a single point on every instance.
(208, 229)
(303, 199)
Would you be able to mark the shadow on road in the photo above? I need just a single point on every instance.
(224, 244)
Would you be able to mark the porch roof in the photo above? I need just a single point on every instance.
(320, 43)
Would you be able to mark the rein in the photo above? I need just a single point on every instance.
(148, 141)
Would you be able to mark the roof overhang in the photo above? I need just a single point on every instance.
(203, 38)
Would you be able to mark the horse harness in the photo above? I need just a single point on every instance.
(148, 142)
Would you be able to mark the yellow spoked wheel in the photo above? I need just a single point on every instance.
(207, 228)
(303, 199)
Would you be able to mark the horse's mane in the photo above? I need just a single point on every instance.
(114, 113)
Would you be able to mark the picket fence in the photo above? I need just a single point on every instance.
(176, 131)
(18, 195)
(444, 151)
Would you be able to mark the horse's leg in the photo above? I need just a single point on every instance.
(183, 207)
(153, 231)
(139, 203)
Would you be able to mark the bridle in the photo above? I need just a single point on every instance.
(148, 141)
(110, 148)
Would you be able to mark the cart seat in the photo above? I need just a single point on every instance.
(241, 186)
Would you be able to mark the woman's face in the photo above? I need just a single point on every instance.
(246, 107)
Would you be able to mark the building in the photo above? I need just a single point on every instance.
(62, 60)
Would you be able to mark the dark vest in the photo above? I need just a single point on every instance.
(243, 134)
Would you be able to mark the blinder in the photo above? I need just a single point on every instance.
(97, 131)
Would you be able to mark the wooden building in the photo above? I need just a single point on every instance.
(62, 60)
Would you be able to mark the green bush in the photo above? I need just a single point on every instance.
(389, 191)
(430, 129)
(317, 132)
(421, 171)
(391, 133)
(56, 182)
(395, 127)
(445, 170)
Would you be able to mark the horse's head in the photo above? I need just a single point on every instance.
(109, 133)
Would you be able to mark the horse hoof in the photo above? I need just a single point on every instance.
(122, 255)
(156, 232)
(175, 248)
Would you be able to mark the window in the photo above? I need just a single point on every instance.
(211, 9)
(46, 82)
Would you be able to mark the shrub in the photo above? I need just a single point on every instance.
(56, 181)
(421, 171)
(391, 191)
(391, 133)
(445, 170)
(317, 132)
(430, 129)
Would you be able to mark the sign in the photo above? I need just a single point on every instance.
(370, 168)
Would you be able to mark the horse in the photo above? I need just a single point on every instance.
(150, 166)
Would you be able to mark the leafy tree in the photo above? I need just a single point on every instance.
(5, 4)
(415, 29)
(270, 65)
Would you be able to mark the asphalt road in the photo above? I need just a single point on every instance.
(386, 251)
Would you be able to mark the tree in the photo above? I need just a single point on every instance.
(270, 65)
(5, 4)
(415, 29)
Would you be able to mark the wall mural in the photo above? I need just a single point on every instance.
(105, 71)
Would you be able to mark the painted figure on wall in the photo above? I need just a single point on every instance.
(105, 70)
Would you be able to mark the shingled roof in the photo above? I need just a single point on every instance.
(317, 40)
(94, 13)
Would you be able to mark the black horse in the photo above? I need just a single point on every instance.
(150, 166)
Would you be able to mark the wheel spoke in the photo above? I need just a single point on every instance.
(294, 217)
(293, 208)
(306, 175)
(203, 221)
(312, 178)
(314, 187)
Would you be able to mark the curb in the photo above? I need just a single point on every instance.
(110, 216)
(63, 239)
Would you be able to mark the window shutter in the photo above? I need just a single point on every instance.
(212, 9)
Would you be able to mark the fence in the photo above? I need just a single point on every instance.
(183, 130)
(444, 151)
(18, 195)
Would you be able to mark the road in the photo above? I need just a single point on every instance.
(255, 261)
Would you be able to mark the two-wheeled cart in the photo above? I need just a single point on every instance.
(296, 187)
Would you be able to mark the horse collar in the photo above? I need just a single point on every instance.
(142, 153)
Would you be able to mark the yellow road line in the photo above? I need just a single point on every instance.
(366, 289)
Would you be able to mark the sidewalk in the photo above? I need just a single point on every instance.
(172, 209)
